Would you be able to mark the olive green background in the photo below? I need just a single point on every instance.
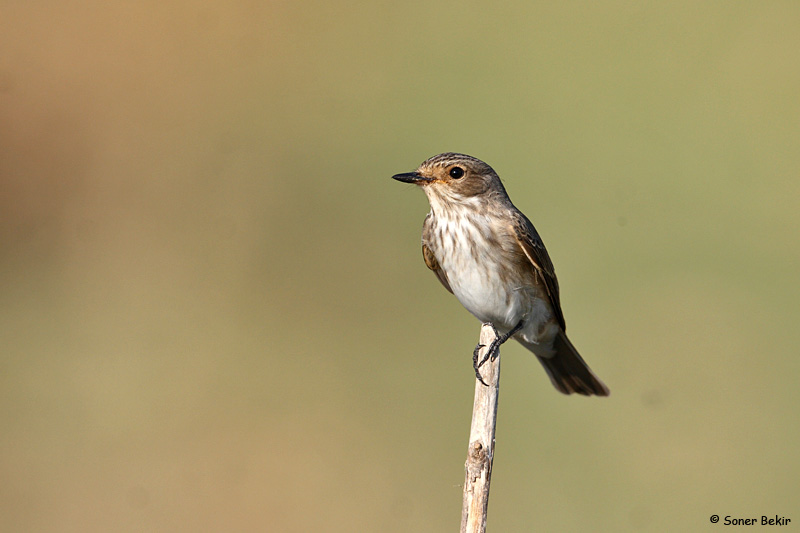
(215, 314)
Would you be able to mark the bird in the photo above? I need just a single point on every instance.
(488, 254)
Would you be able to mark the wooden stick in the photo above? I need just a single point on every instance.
(481, 442)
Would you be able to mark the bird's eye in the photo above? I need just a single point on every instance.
(456, 173)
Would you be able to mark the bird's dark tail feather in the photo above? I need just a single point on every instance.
(569, 373)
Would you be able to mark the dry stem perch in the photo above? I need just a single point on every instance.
(481, 442)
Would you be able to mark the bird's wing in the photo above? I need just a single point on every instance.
(530, 242)
(431, 263)
(430, 259)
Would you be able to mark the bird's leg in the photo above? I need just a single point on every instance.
(494, 348)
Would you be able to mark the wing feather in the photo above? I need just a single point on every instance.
(433, 264)
(530, 242)
(429, 257)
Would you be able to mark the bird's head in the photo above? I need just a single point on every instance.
(450, 178)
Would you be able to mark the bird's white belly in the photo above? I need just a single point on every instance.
(482, 293)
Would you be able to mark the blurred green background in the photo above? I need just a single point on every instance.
(215, 314)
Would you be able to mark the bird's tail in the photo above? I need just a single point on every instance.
(568, 372)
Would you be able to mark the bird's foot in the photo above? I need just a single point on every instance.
(475, 365)
(494, 348)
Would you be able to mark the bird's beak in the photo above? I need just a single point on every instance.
(411, 177)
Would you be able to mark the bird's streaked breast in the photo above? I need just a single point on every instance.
(480, 266)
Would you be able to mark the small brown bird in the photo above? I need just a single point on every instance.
(489, 255)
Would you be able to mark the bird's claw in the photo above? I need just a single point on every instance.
(494, 349)
(475, 365)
